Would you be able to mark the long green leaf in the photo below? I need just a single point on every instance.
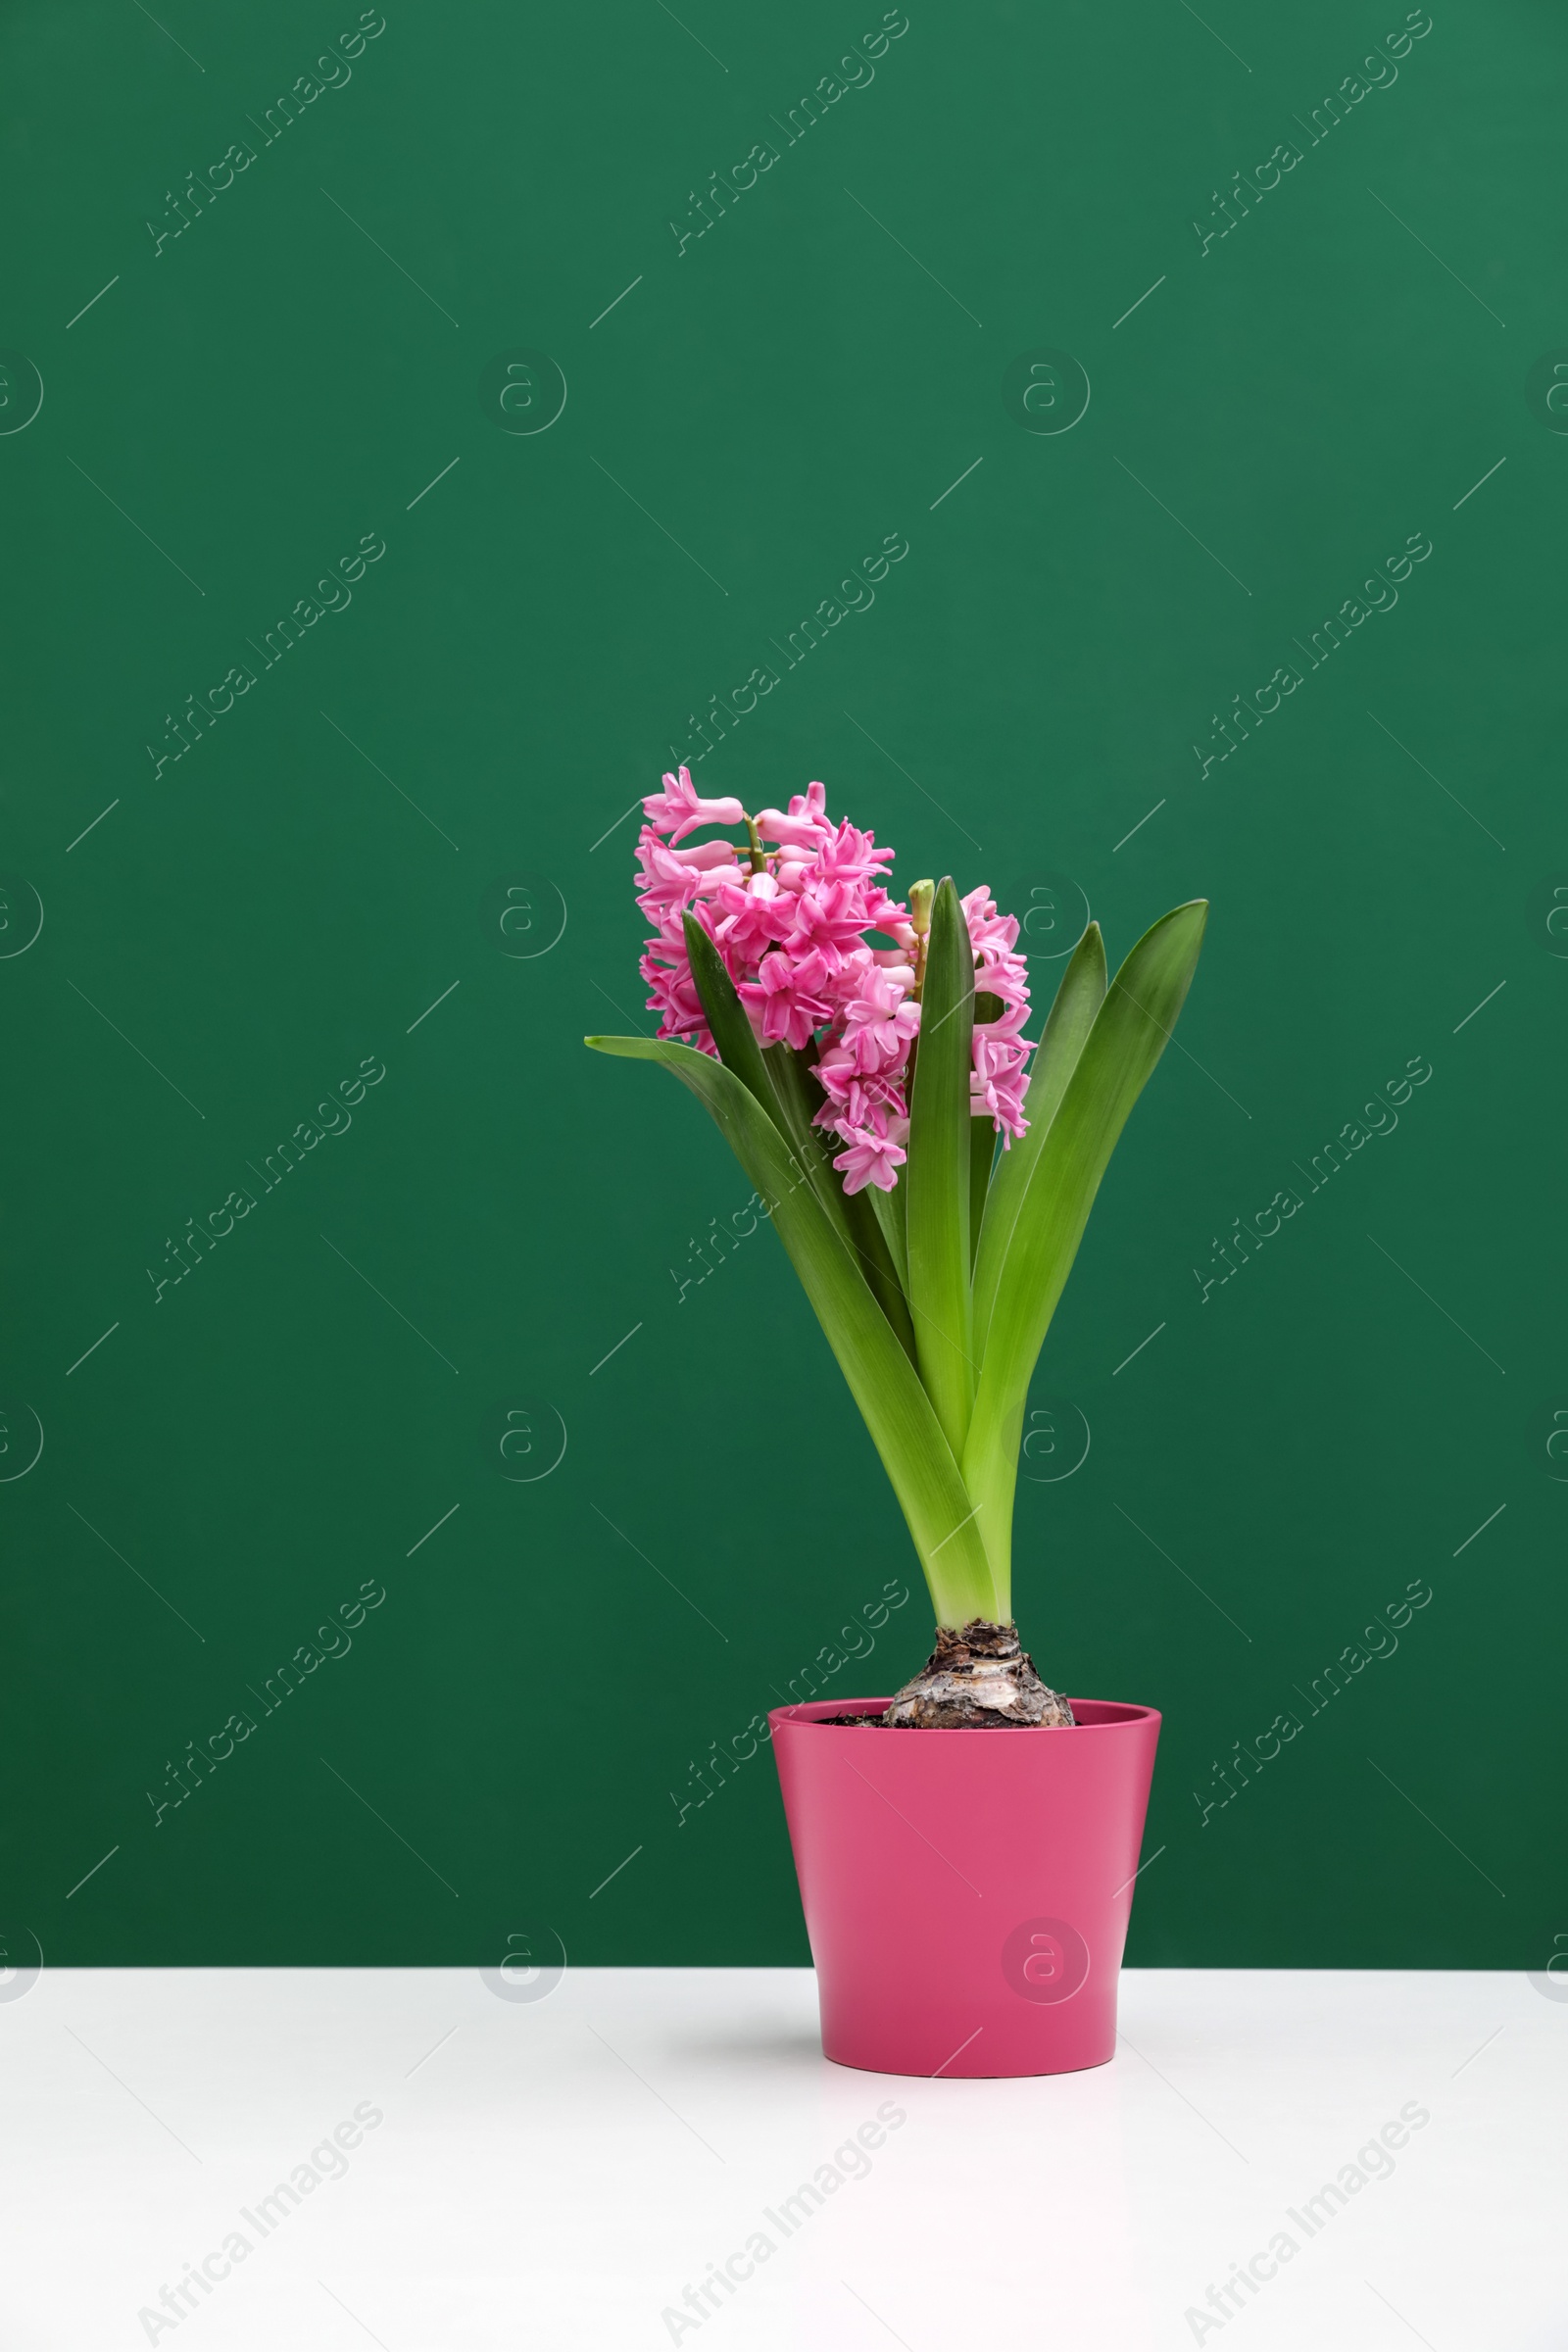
(1126, 1040)
(937, 1171)
(888, 1208)
(982, 1151)
(770, 1072)
(799, 1099)
(726, 1015)
(904, 1428)
(777, 1076)
(1061, 1041)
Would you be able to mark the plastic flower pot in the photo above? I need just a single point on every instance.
(966, 1892)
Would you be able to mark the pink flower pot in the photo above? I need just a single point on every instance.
(966, 1893)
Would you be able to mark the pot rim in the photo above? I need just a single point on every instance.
(821, 1712)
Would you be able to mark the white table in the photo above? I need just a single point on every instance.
(557, 2172)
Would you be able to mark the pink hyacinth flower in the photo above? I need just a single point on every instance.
(879, 1021)
(680, 809)
(750, 915)
(828, 918)
(871, 1158)
(784, 1000)
(806, 827)
(991, 932)
(800, 929)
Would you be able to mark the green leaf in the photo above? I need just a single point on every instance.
(982, 1151)
(1072, 1016)
(1128, 1037)
(801, 1097)
(888, 1209)
(937, 1170)
(799, 1100)
(727, 1018)
(781, 1081)
(897, 1413)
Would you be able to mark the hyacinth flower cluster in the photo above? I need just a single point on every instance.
(861, 1055)
(789, 912)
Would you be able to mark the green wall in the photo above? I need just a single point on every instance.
(500, 1223)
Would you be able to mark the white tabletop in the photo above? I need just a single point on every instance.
(559, 2171)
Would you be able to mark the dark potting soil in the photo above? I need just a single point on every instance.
(880, 1722)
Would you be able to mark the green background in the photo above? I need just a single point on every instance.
(748, 419)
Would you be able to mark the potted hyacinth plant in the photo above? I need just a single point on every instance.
(929, 1169)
